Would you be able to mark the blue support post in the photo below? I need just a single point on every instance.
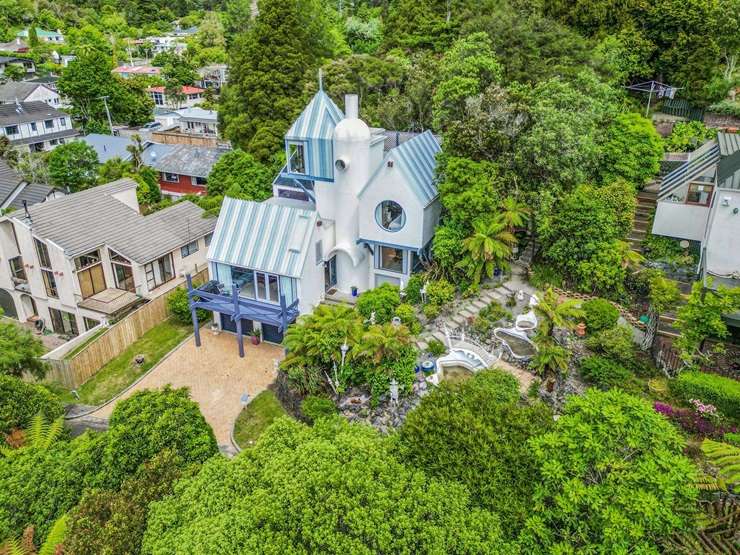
(283, 313)
(238, 320)
(193, 310)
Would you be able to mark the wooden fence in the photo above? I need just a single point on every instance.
(76, 370)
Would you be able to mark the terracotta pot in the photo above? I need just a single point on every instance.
(550, 385)
(581, 329)
(255, 340)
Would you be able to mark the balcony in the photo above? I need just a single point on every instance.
(109, 301)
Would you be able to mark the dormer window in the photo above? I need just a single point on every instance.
(296, 158)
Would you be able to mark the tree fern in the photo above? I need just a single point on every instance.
(24, 546)
(726, 458)
(40, 434)
(55, 538)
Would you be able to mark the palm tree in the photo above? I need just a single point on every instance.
(137, 152)
(550, 358)
(514, 213)
(488, 247)
(25, 546)
(554, 313)
(40, 434)
(384, 342)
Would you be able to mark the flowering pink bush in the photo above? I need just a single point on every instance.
(703, 421)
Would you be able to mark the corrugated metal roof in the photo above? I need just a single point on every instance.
(262, 236)
(317, 121)
(416, 159)
(108, 146)
(729, 143)
(84, 221)
(700, 161)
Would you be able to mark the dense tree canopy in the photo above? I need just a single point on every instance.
(332, 488)
(73, 165)
(239, 175)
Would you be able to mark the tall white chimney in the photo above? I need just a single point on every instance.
(351, 106)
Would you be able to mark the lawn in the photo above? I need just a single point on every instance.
(256, 417)
(122, 371)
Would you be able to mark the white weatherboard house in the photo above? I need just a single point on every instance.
(354, 207)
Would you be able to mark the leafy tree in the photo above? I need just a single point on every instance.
(179, 305)
(148, 192)
(73, 165)
(20, 351)
(604, 372)
(239, 174)
(113, 169)
(469, 190)
(614, 479)
(554, 312)
(22, 401)
(152, 420)
(14, 72)
(108, 521)
(701, 318)
(514, 213)
(447, 246)
(382, 301)
(176, 70)
(269, 63)
(267, 499)
(632, 151)
(487, 248)
(474, 432)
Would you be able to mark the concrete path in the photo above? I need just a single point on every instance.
(216, 376)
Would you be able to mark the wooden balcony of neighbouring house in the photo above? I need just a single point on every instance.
(109, 301)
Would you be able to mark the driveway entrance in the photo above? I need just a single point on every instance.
(216, 376)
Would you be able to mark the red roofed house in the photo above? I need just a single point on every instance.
(187, 98)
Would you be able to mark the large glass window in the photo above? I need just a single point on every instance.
(122, 272)
(50, 284)
(390, 216)
(17, 271)
(699, 194)
(87, 260)
(256, 285)
(296, 158)
(64, 323)
(43, 253)
(389, 258)
(159, 272)
(171, 177)
(244, 280)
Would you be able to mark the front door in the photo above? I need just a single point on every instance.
(330, 273)
(92, 280)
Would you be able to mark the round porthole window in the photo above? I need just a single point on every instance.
(390, 216)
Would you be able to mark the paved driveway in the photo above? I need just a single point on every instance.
(216, 376)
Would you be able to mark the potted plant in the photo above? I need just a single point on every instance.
(256, 335)
(354, 290)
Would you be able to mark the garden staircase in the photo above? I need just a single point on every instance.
(646, 202)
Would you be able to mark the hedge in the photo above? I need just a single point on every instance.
(20, 401)
(723, 393)
(600, 315)
(604, 372)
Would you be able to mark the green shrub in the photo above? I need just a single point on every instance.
(603, 372)
(731, 438)
(723, 393)
(615, 343)
(413, 288)
(152, 420)
(177, 303)
(440, 292)
(494, 461)
(544, 276)
(436, 348)
(600, 315)
(20, 401)
(431, 311)
(314, 407)
(495, 312)
(482, 325)
(382, 300)
(407, 314)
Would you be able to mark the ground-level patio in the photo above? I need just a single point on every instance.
(216, 376)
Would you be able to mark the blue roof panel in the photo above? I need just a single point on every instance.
(317, 121)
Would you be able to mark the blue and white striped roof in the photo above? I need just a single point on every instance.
(262, 236)
(416, 159)
(317, 121)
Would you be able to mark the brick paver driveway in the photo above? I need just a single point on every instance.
(216, 376)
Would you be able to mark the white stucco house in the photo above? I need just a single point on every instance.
(74, 261)
(353, 207)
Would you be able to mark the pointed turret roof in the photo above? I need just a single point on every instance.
(318, 119)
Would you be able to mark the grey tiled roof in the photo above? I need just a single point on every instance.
(89, 219)
(32, 193)
(183, 159)
(19, 90)
(9, 180)
(30, 111)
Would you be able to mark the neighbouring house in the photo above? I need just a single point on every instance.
(125, 71)
(197, 121)
(49, 81)
(186, 97)
(353, 208)
(700, 202)
(26, 91)
(183, 169)
(213, 76)
(35, 126)
(15, 191)
(75, 261)
(109, 146)
(165, 43)
(54, 37)
(16, 45)
(28, 66)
